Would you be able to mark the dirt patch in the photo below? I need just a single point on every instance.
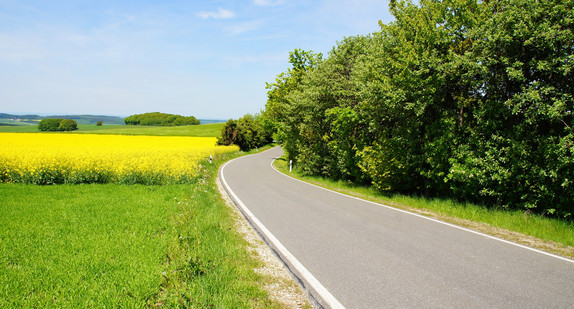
(277, 280)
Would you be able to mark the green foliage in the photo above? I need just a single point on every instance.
(464, 98)
(281, 112)
(248, 132)
(160, 119)
(51, 124)
(99, 123)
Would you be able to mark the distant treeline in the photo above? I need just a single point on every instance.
(160, 119)
(463, 98)
(80, 119)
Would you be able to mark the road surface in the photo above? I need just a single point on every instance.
(351, 253)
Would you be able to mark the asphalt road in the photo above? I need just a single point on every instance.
(355, 254)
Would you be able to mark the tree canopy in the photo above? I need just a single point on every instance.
(462, 98)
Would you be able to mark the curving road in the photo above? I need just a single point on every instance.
(356, 254)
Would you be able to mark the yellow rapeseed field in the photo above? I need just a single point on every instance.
(40, 158)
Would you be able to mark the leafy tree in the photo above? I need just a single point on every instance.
(280, 111)
(228, 133)
(49, 124)
(466, 98)
(520, 131)
(329, 133)
(247, 132)
(68, 125)
(52, 124)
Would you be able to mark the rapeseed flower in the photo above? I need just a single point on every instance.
(44, 158)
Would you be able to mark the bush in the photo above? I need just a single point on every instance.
(100, 123)
(247, 133)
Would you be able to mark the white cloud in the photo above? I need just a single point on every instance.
(220, 14)
(268, 2)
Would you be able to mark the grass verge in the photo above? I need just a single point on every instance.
(124, 246)
(552, 235)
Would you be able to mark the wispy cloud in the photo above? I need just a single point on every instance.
(268, 2)
(220, 14)
(244, 27)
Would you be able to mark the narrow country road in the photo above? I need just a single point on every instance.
(355, 254)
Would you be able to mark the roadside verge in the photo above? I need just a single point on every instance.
(317, 294)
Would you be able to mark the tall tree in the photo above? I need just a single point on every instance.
(280, 111)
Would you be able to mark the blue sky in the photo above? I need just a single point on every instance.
(209, 59)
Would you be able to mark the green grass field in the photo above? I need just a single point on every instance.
(79, 246)
(10, 122)
(19, 129)
(204, 130)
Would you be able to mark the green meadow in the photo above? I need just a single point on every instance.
(204, 130)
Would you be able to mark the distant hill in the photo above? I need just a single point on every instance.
(91, 119)
(208, 121)
(10, 119)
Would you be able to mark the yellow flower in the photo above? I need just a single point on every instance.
(77, 156)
